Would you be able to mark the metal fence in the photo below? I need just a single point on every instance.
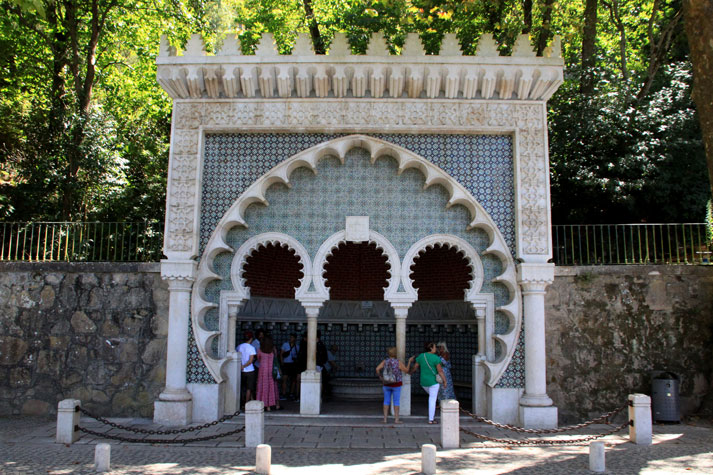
(575, 244)
(84, 241)
(607, 244)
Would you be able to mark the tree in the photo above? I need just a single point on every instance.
(699, 29)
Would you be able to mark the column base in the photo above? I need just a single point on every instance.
(536, 400)
(538, 417)
(311, 393)
(173, 413)
(405, 403)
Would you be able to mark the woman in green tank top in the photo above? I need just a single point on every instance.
(430, 364)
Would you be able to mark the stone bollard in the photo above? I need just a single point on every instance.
(428, 459)
(254, 423)
(67, 420)
(263, 459)
(102, 457)
(640, 432)
(450, 424)
(596, 457)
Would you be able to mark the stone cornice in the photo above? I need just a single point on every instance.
(414, 75)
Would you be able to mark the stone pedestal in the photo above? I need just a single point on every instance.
(173, 413)
(67, 420)
(405, 409)
(311, 392)
(640, 432)
(232, 387)
(254, 423)
(538, 417)
(450, 424)
(480, 397)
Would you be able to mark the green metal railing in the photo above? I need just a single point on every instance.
(607, 244)
(575, 244)
(84, 241)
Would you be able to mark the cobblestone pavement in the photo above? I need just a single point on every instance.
(347, 445)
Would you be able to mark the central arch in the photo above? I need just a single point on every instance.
(312, 284)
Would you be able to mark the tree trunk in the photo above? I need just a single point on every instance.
(544, 37)
(317, 41)
(527, 16)
(589, 38)
(699, 29)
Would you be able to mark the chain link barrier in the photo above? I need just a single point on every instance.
(156, 432)
(604, 418)
(546, 441)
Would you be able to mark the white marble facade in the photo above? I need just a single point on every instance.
(359, 95)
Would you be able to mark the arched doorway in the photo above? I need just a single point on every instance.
(442, 275)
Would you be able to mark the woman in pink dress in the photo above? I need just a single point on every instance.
(267, 390)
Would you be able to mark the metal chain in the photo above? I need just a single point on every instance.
(155, 432)
(546, 441)
(601, 418)
(158, 441)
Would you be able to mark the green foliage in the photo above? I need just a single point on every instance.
(628, 152)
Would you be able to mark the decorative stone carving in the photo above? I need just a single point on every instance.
(267, 74)
(525, 120)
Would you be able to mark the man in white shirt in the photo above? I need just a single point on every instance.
(248, 375)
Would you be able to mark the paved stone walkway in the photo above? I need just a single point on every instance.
(347, 445)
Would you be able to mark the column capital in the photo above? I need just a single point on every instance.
(312, 303)
(179, 270)
(535, 277)
(401, 310)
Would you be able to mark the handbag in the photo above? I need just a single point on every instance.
(276, 368)
(439, 380)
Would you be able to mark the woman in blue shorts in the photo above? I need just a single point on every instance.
(390, 372)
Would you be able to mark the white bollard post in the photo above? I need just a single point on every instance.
(67, 420)
(102, 457)
(263, 459)
(596, 457)
(640, 432)
(450, 424)
(254, 423)
(428, 459)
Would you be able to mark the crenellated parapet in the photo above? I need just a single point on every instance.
(229, 74)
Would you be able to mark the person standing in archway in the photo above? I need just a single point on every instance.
(432, 376)
(248, 375)
(390, 372)
(266, 385)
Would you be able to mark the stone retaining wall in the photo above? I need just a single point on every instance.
(610, 328)
(91, 331)
(97, 332)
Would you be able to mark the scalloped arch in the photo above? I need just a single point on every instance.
(460, 244)
(333, 241)
(252, 244)
(312, 285)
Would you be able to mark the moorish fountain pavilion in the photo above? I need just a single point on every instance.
(387, 200)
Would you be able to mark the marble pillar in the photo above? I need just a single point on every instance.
(536, 409)
(311, 379)
(174, 405)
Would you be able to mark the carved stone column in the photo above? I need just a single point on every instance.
(536, 409)
(232, 388)
(401, 312)
(174, 406)
(311, 379)
(480, 318)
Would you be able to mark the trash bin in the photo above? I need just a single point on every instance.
(665, 402)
